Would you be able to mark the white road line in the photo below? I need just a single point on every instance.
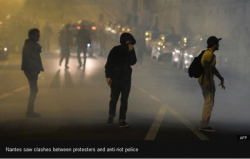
(153, 132)
(156, 125)
(188, 124)
(5, 95)
(10, 94)
(21, 89)
(155, 98)
(142, 90)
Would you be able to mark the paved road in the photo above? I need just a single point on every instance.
(164, 104)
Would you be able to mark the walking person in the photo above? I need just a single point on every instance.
(32, 65)
(65, 41)
(47, 34)
(207, 83)
(141, 47)
(102, 40)
(82, 41)
(118, 76)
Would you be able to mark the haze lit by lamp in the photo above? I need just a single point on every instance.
(8, 16)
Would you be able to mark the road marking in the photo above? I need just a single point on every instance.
(188, 124)
(5, 95)
(155, 98)
(156, 125)
(21, 89)
(10, 94)
(198, 133)
(142, 90)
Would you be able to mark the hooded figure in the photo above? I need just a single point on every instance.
(118, 74)
(120, 59)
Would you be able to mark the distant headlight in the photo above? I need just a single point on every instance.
(113, 31)
(5, 49)
(88, 45)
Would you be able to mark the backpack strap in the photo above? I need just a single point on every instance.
(204, 70)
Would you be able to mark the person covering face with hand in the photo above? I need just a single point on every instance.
(118, 73)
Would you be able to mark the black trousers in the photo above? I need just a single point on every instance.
(82, 49)
(65, 53)
(32, 78)
(119, 87)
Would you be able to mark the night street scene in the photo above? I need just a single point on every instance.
(116, 74)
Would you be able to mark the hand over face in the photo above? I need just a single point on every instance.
(130, 47)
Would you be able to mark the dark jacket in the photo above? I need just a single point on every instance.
(31, 59)
(65, 39)
(120, 59)
(83, 37)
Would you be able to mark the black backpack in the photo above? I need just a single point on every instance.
(196, 69)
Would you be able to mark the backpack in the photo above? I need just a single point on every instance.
(196, 69)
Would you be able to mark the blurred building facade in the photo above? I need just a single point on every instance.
(192, 16)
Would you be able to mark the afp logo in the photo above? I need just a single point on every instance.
(241, 137)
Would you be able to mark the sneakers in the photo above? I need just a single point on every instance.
(208, 129)
(33, 115)
(110, 121)
(123, 124)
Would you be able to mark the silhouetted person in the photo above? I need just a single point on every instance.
(141, 48)
(118, 75)
(32, 65)
(102, 39)
(65, 41)
(47, 34)
(82, 41)
(206, 82)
